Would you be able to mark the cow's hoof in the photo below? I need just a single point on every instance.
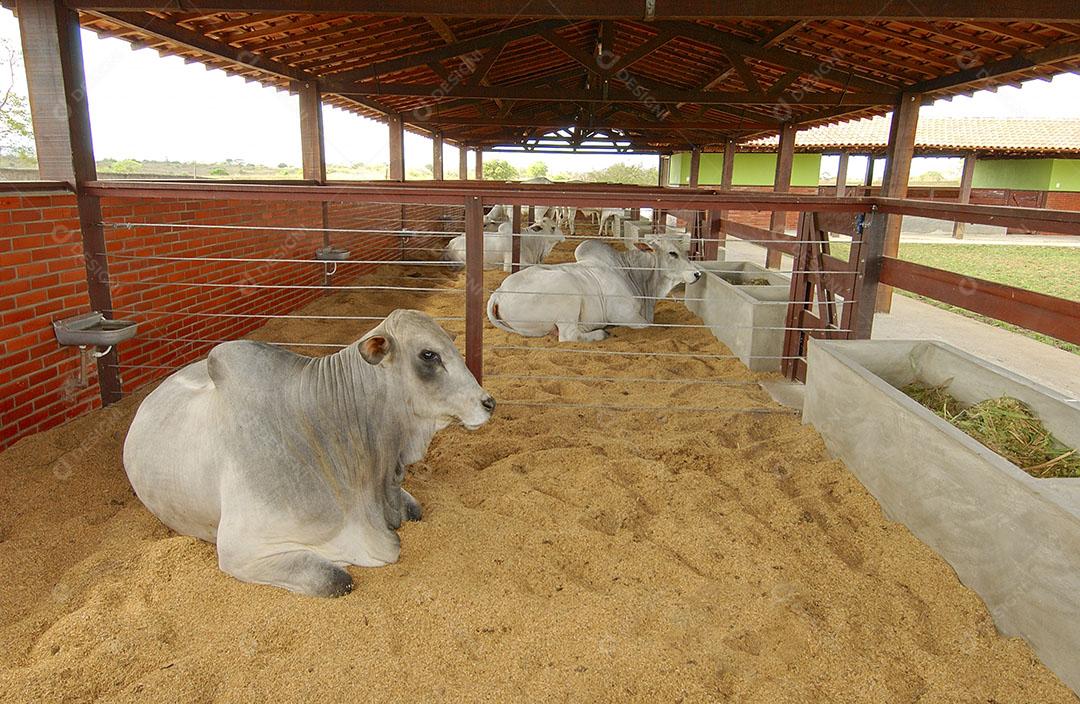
(338, 583)
(413, 511)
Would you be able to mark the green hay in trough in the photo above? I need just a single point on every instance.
(1005, 425)
(760, 281)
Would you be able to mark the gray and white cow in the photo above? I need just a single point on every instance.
(537, 241)
(603, 287)
(293, 465)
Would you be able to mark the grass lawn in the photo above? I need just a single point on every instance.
(1051, 270)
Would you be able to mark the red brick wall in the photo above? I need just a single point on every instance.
(1063, 200)
(42, 278)
(182, 305)
(760, 218)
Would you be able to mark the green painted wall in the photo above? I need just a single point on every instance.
(1028, 174)
(1065, 175)
(1025, 174)
(680, 169)
(751, 169)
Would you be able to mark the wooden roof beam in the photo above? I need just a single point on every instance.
(637, 53)
(779, 57)
(738, 62)
(449, 51)
(953, 33)
(442, 28)
(656, 93)
(1016, 63)
(1004, 10)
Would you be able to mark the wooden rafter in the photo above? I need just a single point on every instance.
(657, 93)
(581, 69)
(450, 50)
(1049, 10)
(1018, 62)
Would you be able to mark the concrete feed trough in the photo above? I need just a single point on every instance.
(746, 317)
(1012, 538)
(641, 230)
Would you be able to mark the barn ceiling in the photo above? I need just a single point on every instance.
(651, 80)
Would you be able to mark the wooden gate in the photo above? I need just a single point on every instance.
(831, 297)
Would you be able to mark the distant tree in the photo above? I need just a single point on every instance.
(127, 166)
(537, 169)
(424, 173)
(218, 171)
(932, 177)
(282, 165)
(16, 131)
(499, 170)
(618, 173)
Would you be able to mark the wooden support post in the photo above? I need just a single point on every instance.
(463, 162)
(785, 158)
(474, 287)
(635, 213)
(60, 112)
(515, 239)
(869, 272)
(397, 147)
(663, 177)
(479, 164)
(312, 141)
(716, 222)
(698, 225)
(868, 177)
(965, 193)
(841, 175)
(713, 233)
(728, 170)
(695, 167)
(313, 150)
(437, 156)
(532, 214)
(900, 150)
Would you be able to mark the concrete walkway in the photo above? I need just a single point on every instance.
(913, 319)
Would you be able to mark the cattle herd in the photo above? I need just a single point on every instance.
(294, 465)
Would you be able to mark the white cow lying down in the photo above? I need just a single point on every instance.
(603, 287)
(293, 465)
(537, 241)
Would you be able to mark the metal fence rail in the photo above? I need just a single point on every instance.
(827, 297)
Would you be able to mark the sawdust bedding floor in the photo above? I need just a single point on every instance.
(565, 555)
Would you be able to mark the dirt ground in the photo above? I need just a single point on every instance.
(566, 554)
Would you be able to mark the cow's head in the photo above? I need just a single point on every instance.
(672, 261)
(428, 369)
(550, 231)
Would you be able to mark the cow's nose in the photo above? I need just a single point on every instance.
(697, 275)
(488, 402)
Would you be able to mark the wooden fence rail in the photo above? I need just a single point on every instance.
(832, 280)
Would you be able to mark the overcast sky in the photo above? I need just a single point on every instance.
(144, 106)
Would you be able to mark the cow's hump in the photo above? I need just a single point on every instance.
(246, 362)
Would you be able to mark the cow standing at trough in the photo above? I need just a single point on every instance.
(603, 287)
(293, 465)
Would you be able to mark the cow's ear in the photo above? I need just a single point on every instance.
(374, 349)
(643, 247)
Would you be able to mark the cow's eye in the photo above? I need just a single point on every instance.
(429, 356)
(674, 254)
